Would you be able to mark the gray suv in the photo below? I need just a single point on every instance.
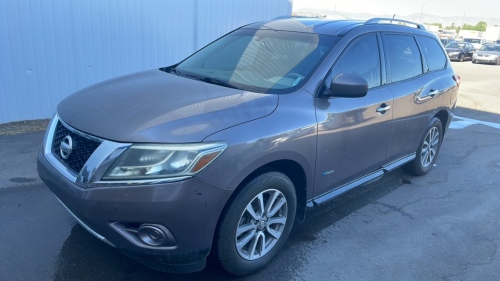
(221, 153)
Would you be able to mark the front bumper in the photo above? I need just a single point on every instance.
(489, 59)
(189, 209)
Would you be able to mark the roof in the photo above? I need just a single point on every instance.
(307, 25)
(326, 26)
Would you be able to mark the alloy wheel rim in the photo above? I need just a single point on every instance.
(429, 147)
(261, 224)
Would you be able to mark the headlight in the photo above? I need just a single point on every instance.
(155, 161)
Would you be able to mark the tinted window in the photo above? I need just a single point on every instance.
(403, 57)
(433, 54)
(362, 58)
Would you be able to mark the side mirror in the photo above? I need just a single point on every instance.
(347, 86)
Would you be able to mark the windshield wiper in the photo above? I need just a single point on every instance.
(219, 82)
(211, 80)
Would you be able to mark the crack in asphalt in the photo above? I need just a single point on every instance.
(408, 215)
(396, 209)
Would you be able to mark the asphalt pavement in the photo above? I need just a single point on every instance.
(441, 226)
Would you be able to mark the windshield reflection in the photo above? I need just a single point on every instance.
(259, 60)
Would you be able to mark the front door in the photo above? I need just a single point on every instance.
(353, 133)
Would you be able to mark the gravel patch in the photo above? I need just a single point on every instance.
(21, 127)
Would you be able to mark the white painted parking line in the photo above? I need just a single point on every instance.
(465, 122)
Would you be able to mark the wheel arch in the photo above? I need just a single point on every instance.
(292, 170)
(444, 117)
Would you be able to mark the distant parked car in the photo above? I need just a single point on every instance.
(487, 54)
(459, 50)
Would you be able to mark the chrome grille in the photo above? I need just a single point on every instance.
(82, 148)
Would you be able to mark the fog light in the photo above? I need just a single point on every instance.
(152, 235)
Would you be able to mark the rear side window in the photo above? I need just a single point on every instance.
(403, 57)
(433, 53)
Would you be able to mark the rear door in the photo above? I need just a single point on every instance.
(416, 93)
(438, 65)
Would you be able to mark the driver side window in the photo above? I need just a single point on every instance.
(362, 58)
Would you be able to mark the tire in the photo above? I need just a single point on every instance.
(428, 149)
(245, 252)
(498, 62)
(474, 61)
(461, 58)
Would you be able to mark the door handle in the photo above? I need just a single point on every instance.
(432, 93)
(383, 108)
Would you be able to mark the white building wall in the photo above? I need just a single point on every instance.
(492, 33)
(50, 49)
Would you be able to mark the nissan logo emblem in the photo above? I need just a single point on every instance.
(66, 147)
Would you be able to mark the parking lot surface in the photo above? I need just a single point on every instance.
(442, 226)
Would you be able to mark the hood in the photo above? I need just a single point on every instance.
(158, 107)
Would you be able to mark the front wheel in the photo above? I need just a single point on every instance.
(473, 61)
(461, 58)
(428, 149)
(256, 224)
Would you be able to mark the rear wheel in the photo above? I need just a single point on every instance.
(428, 149)
(256, 224)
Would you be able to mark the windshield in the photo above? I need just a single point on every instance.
(490, 48)
(266, 61)
(456, 45)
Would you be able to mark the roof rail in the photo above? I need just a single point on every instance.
(391, 20)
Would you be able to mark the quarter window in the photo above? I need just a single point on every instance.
(433, 53)
(403, 57)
